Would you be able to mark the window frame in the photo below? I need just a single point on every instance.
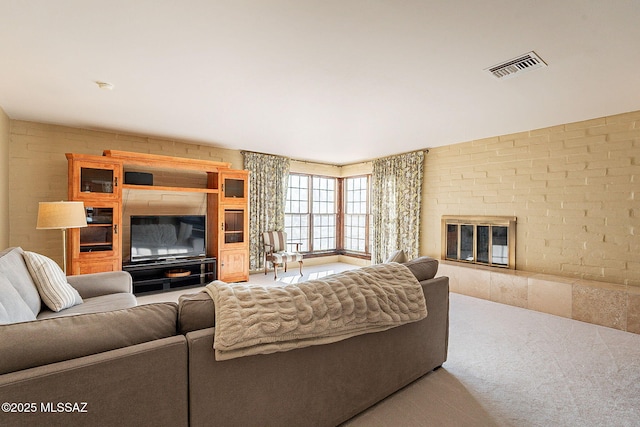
(340, 212)
(308, 208)
(367, 240)
(311, 214)
(315, 216)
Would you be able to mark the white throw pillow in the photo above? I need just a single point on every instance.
(12, 307)
(51, 282)
(397, 256)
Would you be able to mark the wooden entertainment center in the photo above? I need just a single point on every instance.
(98, 181)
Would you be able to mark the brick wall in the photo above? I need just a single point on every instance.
(38, 172)
(574, 189)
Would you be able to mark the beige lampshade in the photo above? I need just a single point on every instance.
(61, 215)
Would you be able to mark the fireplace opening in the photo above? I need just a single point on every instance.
(486, 240)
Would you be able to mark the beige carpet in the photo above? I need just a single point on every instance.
(509, 366)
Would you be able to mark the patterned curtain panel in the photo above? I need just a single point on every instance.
(267, 196)
(396, 196)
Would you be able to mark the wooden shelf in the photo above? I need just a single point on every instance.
(160, 161)
(99, 247)
(157, 275)
(163, 188)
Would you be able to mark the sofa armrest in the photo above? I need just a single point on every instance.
(97, 284)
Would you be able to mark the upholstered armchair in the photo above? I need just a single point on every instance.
(275, 251)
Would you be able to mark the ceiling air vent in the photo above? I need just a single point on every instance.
(527, 62)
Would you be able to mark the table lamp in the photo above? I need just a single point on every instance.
(61, 216)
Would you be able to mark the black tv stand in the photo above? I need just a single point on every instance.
(172, 274)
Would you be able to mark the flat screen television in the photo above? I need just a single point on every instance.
(162, 237)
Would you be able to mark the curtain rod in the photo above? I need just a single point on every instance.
(425, 150)
(263, 154)
(291, 159)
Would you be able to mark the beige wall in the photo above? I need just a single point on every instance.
(38, 172)
(4, 179)
(573, 188)
(355, 169)
(297, 166)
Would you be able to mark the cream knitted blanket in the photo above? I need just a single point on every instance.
(266, 319)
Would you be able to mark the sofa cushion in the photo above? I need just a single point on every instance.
(195, 311)
(424, 267)
(51, 282)
(12, 265)
(110, 302)
(12, 306)
(41, 342)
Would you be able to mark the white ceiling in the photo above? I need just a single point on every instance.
(335, 81)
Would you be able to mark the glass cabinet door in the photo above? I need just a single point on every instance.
(234, 226)
(94, 180)
(98, 236)
(96, 247)
(234, 186)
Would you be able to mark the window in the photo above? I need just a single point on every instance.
(311, 212)
(328, 215)
(323, 213)
(480, 240)
(297, 218)
(356, 214)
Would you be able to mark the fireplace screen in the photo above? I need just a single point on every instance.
(479, 240)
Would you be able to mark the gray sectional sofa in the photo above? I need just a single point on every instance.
(106, 361)
(154, 365)
(315, 386)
